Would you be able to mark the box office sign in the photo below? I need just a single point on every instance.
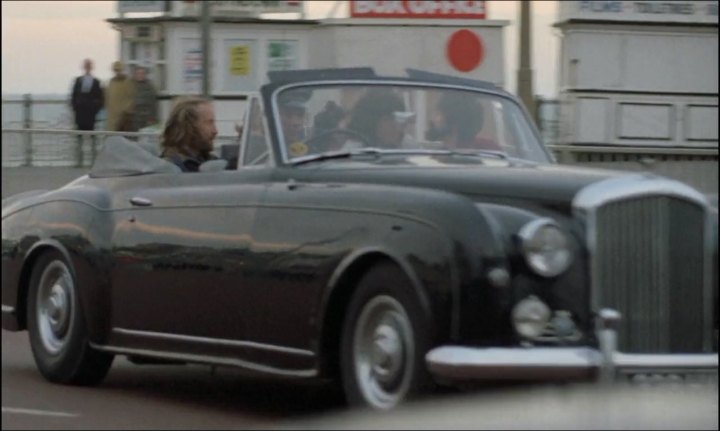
(447, 9)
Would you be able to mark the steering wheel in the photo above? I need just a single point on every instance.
(347, 132)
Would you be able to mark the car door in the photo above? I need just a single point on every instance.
(179, 252)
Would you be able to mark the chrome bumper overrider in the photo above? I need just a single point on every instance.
(561, 363)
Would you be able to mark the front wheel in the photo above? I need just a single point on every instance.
(57, 329)
(384, 342)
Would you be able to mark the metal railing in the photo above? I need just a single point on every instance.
(697, 167)
(41, 113)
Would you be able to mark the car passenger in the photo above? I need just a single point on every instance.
(374, 116)
(457, 122)
(324, 124)
(187, 140)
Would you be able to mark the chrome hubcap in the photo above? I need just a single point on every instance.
(383, 352)
(54, 306)
(386, 353)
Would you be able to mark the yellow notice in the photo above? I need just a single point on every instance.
(240, 60)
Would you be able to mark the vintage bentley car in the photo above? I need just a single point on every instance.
(387, 234)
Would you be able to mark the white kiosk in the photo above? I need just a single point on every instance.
(451, 37)
(642, 77)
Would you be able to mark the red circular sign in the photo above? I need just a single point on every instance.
(465, 50)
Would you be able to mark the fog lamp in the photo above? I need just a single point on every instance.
(530, 317)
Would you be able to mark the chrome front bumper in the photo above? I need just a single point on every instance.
(563, 363)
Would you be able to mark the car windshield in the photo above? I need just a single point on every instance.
(328, 122)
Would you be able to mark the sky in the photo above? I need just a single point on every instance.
(44, 42)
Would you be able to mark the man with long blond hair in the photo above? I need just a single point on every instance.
(189, 133)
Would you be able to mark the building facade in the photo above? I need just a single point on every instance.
(244, 47)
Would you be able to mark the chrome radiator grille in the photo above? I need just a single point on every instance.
(648, 264)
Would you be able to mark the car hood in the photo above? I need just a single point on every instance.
(544, 184)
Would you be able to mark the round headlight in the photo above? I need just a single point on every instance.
(545, 247)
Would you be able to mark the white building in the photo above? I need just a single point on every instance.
(444, 37)
(639, 73)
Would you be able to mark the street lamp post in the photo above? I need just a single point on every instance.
(205, 23)
(525, 72)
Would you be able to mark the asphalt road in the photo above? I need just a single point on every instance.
(192, 397)
(151, 397)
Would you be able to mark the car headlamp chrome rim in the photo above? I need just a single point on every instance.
(545, 247)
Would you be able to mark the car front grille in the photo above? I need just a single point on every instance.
(648, 263)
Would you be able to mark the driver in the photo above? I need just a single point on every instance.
(187, 140)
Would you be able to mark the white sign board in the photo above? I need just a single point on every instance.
(141, 6)
(192, 62)
(282, 54)
(219, 7)
(240, 60)
(641, 11)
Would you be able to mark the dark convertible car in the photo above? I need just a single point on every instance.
(388, 234)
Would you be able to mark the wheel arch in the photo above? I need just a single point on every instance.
(31, 257)
(341, 287)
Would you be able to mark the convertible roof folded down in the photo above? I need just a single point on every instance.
(121, 157)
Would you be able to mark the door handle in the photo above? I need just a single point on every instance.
(140, 202)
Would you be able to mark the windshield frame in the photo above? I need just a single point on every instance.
(278, 139)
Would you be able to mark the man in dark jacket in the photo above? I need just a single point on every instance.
(87, 98)
(86, 101)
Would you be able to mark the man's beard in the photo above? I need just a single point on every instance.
(203, 147)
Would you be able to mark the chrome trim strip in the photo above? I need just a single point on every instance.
(625, 361)
(589, 199)
(204, 359)
(632, 186)
(550, 362)
(8, 309)
(216, 341)
(546, 363)
(551, 357)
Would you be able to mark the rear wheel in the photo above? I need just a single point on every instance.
(57, 328)
(384, 341)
